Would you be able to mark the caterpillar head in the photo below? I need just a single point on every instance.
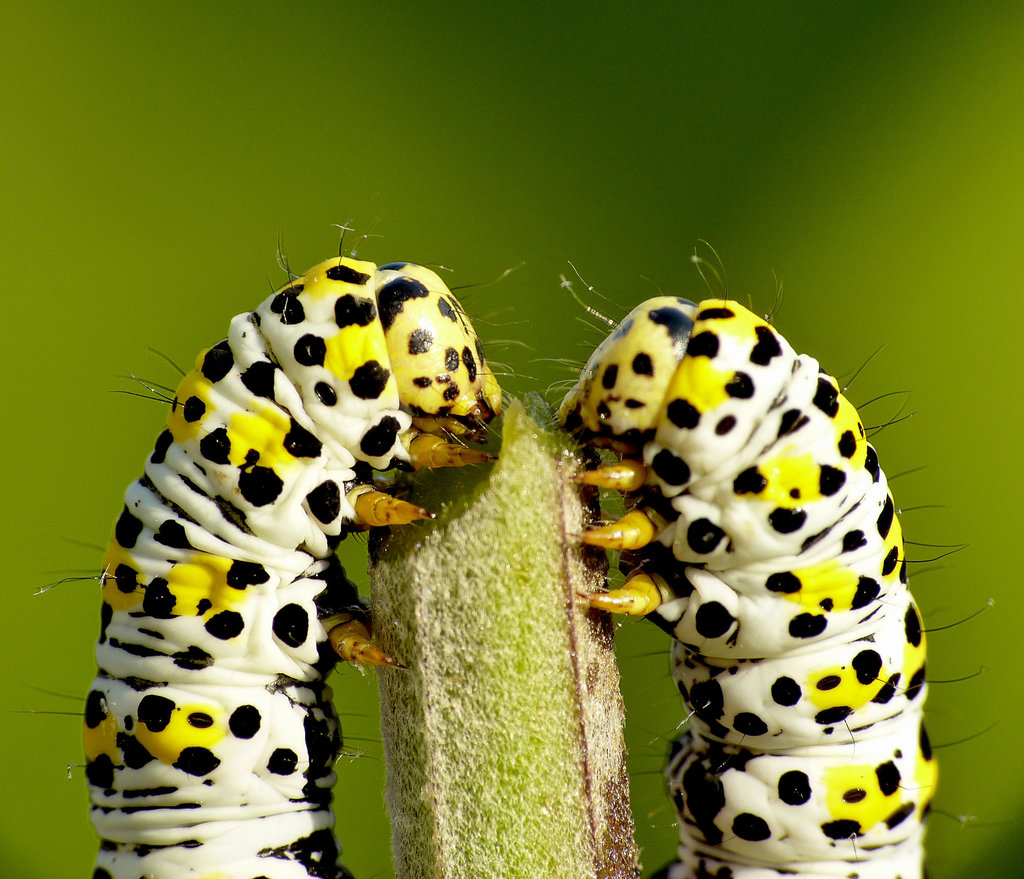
(621, 391)
(436, 358)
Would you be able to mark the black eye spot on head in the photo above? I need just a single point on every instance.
(611, 375)
(451, 359)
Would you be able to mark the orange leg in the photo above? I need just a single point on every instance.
(640, 595)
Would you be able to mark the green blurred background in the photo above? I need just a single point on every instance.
(868, 156)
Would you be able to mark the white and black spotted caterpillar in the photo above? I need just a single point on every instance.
(210, 735)
(764, 540)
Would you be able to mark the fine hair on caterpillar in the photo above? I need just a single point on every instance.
(210, 734)
(761, 535)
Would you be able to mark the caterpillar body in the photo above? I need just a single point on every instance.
(210, 735)
(764, 539)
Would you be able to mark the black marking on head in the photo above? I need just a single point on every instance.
(392, 298)
(610, 376)
(420, 340)
(677, 323)
(642, 365)
(469, 362)
(447, 309)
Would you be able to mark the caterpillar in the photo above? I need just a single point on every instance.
(763, 538)
(210, 735)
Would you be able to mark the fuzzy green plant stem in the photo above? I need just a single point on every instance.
(503, 736)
